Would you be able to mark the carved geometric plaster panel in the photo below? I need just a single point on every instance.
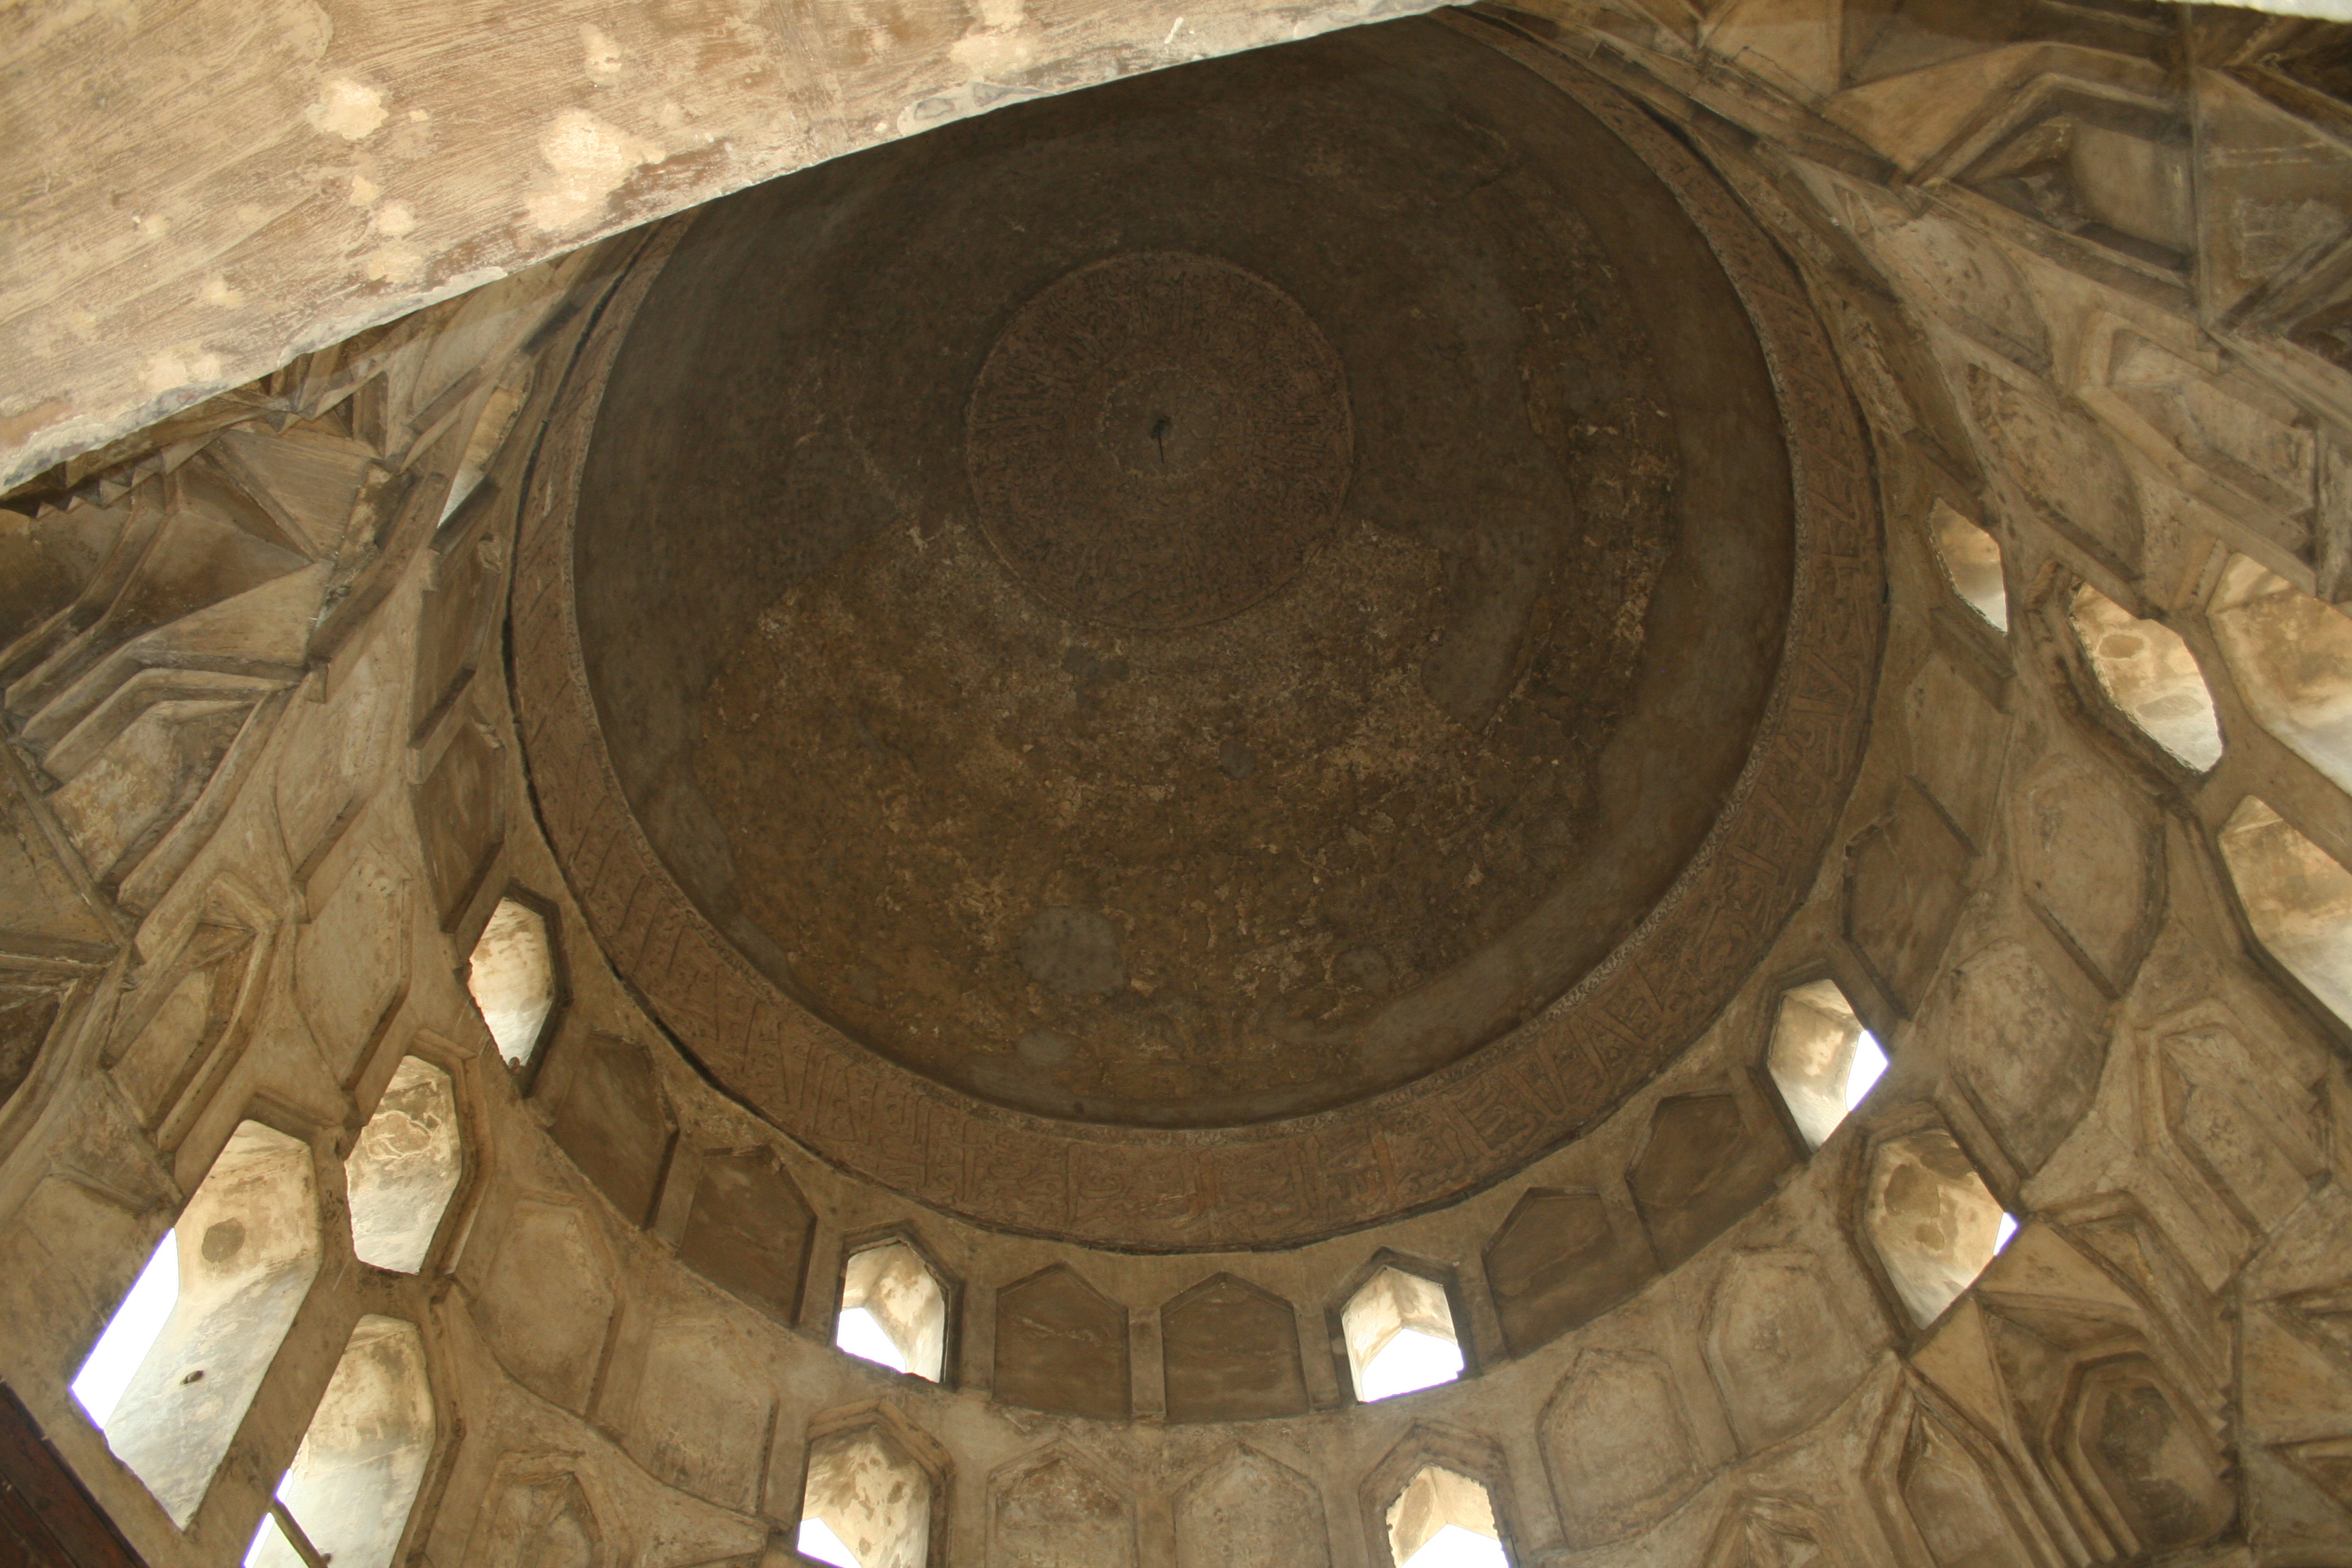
(1055, 1508)
(1779, 1346)
(1617, 1445)
(546, 1299)
(1250, 1511)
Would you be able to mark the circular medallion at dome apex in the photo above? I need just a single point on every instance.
(1237, 929)
(1158, 440)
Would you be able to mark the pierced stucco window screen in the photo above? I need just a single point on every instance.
(867, 1504)
(1400, 1334)
(512, 975)
(2292, 657)
(893, 1311)
(1822, 1059)
(404, 1167)
(172, 1376)
(2297, 897)
(1445, 1519)
(1970, 557)
(1931, 1219)
(347, 1496)
(2149, 674)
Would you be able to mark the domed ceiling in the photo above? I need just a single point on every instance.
(1206, 660)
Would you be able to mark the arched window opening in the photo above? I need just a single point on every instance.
(1932, 1220)
(171, 1378)
(355, 1477)
(2292, 655)
(1972, 561)
(2297, 897)
(1400, 1334)
(867, 1505)
(1821, 1058)
(893, 1311)
(1445, 1519)
(403, 1170)
(512, 977)
(2148, 673)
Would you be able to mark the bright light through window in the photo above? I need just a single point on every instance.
(1454, 1547)
(864, 1503)
(1822, 1059)
(137, 1324)
(858, 1332)
(2007, 1229)
(1411, 1360)
(1869, 1064)
(1443, 1519)
(269, 1545)
(894, 1311)
(817, 1541)
(1400, 1333)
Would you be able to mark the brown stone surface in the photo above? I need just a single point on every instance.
(1323, 818)
(458, 807)
(1230, 1350)
(1061, 1345)
(1706, 1162)
(610, 1118)
(1250, 1510)
(1092, 985)
(749, 1229)
(2041, 1063)
(1559, 1261)
(1906, 882)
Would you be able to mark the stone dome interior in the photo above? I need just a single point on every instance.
(1196, 601)
(901, 785)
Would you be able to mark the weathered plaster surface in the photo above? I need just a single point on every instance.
(196, 193)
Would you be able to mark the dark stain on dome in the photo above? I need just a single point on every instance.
(1194, 601)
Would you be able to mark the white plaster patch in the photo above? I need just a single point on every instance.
(994, 53)
(461, 283)
(347, 108)
(395, 264)
(394, 218)
(603, 61)
(168, 372)
(217, 291)
(589, 160)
